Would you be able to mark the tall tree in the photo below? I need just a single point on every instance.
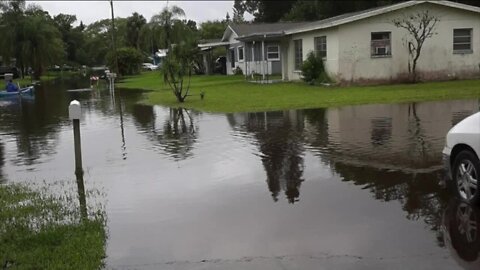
(263, 10)
(178, 64)
(73, 37)
(41, 44)
(134, 25)
(212, 29)
(166, 20)
(420, 27)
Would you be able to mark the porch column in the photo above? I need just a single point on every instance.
(206, 63)
(263, 59)
(253, 58)
(284, 58)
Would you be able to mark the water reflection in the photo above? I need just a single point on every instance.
(81, 195)
(279, 139)
(405, 137)
(172, 130)
(2, 162)
(375, 153)
(460, 227)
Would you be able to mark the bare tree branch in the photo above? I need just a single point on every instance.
(420, 26)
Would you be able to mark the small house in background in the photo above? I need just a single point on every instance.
(360, 47)
(159, 57)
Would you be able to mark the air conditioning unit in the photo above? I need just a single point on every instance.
(382, 50)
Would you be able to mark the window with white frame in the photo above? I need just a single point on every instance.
(273, 52)
(381, 44)
(462, 40)
(298, 53)
(240, 54)
(321, 46)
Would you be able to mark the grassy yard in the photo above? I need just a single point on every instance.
(40, 231)
(28, 80)
(234, 94)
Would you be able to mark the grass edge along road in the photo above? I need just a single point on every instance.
(42, 231)
(228, 94)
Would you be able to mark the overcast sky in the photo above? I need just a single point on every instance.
(90, 11)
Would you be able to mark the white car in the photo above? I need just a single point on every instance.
(461, 158)
(149, 66)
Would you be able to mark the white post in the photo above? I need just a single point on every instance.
(111, 78)
(263, 59)
(253, 59)
(74, 113)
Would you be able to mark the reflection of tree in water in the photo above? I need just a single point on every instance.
(35, 127)
(419, 146)
(2, 162)
(317, 133)
(177, 135)
(420, 195)
(279, 135)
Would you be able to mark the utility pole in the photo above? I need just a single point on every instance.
(114, 39)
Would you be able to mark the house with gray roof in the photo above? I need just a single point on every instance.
(362, 46)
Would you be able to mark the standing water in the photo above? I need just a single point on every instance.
(354, 187)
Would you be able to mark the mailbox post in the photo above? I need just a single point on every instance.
(75, 112)
(111, 78)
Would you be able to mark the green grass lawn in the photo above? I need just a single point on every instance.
(39, 231)
(28, 80)
(234, 94)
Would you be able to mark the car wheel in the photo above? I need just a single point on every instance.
(466, 169)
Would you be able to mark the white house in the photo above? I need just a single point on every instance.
(363, 46)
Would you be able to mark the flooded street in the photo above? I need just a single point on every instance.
(355, 187)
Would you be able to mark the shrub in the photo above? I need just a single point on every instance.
(129, 61)
(313, 69)
(237, 71)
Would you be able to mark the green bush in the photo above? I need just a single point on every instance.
(313, 69)
(237, 71)
(129, 61)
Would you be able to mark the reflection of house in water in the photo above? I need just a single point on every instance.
(279, 137)
(390, 150)
(400, 136)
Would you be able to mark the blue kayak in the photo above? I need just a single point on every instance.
(24, 91)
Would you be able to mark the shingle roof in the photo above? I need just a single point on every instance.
(261, 28)
(281, 28)
(358, 15)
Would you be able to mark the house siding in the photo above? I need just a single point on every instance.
(437, 60)
(234, 44)
(308, 44)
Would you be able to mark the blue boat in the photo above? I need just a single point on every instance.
(27, 91)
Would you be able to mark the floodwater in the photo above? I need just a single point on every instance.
(355, 187)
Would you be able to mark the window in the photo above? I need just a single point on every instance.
(321, 46)
(232, 58)
(240, 54)
(462, 40)
(381, 44)
(298, 54)
(273, 52)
